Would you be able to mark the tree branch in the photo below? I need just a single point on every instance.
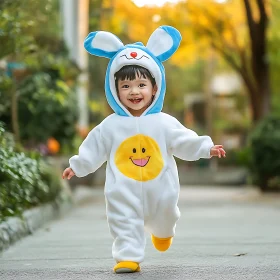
(250, 20)
(227, 57)
(263, 15)
(262, 22)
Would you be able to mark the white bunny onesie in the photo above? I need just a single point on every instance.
(142, 185)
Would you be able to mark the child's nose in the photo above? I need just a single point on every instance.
(135, 90)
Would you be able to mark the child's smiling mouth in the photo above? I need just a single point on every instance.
(135, 100)
(140, 162)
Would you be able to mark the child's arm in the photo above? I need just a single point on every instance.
(186, 144)
(92, 155)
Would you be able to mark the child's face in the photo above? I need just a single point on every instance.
(136, 95)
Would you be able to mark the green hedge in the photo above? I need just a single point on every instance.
(265, 153)
(25, 179)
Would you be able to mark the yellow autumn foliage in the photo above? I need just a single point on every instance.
(201, 23)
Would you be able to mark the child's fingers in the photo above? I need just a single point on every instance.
(218, 151)
(64, 174)
(218, 146)
(71, 174)
(223, 152)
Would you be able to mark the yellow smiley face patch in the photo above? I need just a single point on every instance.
(139, 157)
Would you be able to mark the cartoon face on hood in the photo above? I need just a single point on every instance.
(161, 45)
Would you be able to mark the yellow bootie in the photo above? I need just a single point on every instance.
(126, 267)
(161, 244)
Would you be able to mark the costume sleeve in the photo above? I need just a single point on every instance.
(92, 154)
(187, 145)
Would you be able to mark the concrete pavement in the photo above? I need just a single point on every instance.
(223, 233)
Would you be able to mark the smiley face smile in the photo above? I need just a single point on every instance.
(140, 162)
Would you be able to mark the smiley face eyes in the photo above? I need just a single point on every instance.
(143, 150)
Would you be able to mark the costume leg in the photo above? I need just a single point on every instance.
(163, 212)
(163, 223)
(125, 219)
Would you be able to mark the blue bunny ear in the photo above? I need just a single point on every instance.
(102, 43)
(164, 41)
(139, 44)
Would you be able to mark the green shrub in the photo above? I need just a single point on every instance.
(47, 104)
(25, 181)
(265, 156)
(38, 70)
(5, 87)
(47, 108)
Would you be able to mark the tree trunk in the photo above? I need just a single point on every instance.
(259, 98)
(265, 87)
(14, 112)
(260, 92)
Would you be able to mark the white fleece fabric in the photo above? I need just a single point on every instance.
(142, 184)
(133, 205)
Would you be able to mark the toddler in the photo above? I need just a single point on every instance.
(139, 143)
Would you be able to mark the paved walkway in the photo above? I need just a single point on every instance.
(224, 233)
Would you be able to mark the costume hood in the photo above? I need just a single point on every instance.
(161, 45)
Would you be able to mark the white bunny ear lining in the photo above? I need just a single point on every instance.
(102, 43)
(164, 41)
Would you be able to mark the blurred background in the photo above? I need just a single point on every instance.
(223, 82)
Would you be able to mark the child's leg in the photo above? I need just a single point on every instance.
(129, 239)
(162, 223)
(126, 224)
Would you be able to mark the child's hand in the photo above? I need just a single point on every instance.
(217, 151)
(68, 173)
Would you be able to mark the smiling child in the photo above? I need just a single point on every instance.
(139, 143)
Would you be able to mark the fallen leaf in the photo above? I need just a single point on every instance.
(240, 254)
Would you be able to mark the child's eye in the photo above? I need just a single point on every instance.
(141, 85)
(125, 86)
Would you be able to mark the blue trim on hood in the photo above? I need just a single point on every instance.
(110, 98)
